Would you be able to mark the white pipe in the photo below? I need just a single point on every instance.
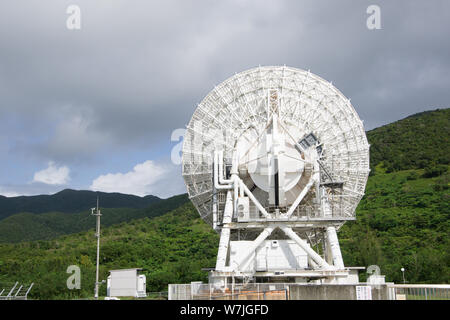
(302, 194)
(214, 206)
(314, 256)
(235, 179)
(225, 234)
(234, 265)
(222, 179)
(235, 163)
(214, 211)
(217, 176)
(241, 189)
(333, 243)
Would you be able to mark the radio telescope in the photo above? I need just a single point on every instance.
(276, 160)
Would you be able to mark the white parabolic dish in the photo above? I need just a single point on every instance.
(234, 115)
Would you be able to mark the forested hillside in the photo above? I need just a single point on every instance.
(44, 226)
(402, 221)
(172, 248)
(416, 142)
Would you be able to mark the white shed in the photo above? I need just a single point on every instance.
(126, 283)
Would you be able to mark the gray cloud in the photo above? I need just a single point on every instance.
(136, 69)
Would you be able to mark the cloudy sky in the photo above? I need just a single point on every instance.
(95, 108)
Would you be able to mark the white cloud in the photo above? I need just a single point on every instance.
(140, 181)
(53, 175)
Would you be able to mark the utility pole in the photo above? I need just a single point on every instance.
(97, 234)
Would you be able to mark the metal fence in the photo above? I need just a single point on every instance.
(419, 292)
(157, 295)
(15, 291)
(280, 291)
(251, 291)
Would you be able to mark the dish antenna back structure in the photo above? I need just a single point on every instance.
(276, 160)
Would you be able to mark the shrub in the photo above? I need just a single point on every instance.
(412, 176)
(434, 170)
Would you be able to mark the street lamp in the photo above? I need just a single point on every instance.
(403, 273)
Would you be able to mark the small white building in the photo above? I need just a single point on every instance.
(126, 283)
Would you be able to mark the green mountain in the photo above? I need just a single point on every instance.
(71, 201)
(416, 142)
(403, 221)
(45, 226)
